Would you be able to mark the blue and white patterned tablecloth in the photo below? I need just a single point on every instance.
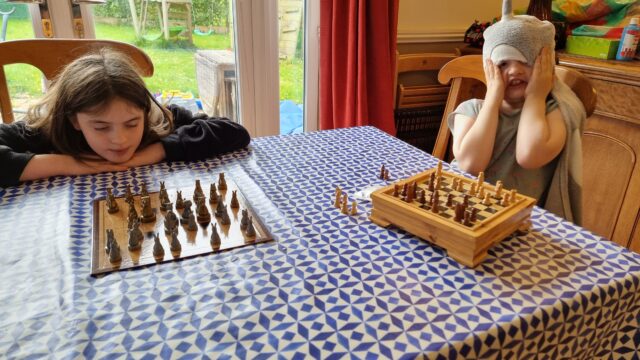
(329, 286)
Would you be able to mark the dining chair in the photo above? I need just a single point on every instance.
(466, 76)
(51, 55)
(418, 97)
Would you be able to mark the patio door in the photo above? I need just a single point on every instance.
(220, 56)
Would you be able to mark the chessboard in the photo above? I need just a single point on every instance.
(464, 216)
(150, 228)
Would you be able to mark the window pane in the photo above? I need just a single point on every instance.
(291, 51)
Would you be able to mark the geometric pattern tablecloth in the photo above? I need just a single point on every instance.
(329, 286)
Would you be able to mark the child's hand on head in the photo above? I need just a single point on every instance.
(541, 81)
(495, 82)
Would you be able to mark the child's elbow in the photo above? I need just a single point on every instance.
(469, 166)
(529, 160)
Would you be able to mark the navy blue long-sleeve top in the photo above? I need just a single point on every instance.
(194, 138)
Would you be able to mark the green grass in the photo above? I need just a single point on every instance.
(174, 64)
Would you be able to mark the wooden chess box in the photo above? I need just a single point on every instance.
(467, 244)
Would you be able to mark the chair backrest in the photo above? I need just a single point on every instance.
(466, 76)
(421, 95)
(51, 55)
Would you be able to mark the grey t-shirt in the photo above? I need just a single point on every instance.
(503, 165)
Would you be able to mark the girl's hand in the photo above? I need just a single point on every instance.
(541, 81)
(495, 82)
(151, 154)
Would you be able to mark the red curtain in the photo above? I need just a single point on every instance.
(357, 60)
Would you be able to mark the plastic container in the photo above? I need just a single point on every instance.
(629, 40)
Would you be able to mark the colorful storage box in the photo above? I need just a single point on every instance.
(601, 48)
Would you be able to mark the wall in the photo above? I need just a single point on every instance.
(437, 25)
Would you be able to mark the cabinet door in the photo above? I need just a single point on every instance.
(610, 198)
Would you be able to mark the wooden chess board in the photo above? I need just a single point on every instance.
(466, 243)
(193, 243)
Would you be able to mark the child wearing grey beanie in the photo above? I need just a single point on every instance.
(526, 132)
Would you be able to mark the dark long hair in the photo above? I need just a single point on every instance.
(86, 85)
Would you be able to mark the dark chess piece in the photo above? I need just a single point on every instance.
(175, 245)
(179, 200)
(114, 253)
(135, 237)
(148, 215)
(251, 231)
(234, 200)
(109, 241)
(222, 183)
(204, 217)
(143, 190)
(225, 220)
(215, 237)
(112, 205)
(128, 196)
(213, 194)
(158, 251)
(170, 222)
(244, 220)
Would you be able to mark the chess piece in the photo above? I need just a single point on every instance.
(109, 241)
(213, 194)
(251, 231)
(405, 188)
(480, 178)
(170, 222)
(215, 237)
(465, 200)
(143, 190)
(244, 220)
(512, 197)
(225, 220)
(382, 169)
(498, 189)
(112, 205)
(191, 223)
(222, 183)
(487, 199)
(221, 208)
(165, 203)
(184, 218)
(439, 169)
(203, 213)
(175, 245)
(344, 209)
(435, 202)
(458, 213)
(472, 190)
(467, 218)
(422, 197)
(454, 184)
(148, 215)
(128, 196)
(474, 214)
(449, 200)
(158, 251)
(461, 186)
(114, 253)
(505, 200)
(386, 174)
(481, 192)
(198, 190)
(396, 190)
(133, 214)
(179, 201)
(432, 180)
(338, 199)
(354, 208)
(234, 200)
(135, 237)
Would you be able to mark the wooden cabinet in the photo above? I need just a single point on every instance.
(611, 150)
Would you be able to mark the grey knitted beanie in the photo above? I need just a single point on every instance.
(517, 37)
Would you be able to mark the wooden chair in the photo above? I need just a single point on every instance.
(466, 76)
(418, 108)
(51, 55)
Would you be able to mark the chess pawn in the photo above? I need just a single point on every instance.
(148, 215)
(439, 169)
(474, 214)
(382, 169)
(215, 237)
(163, 189)
(213, 194)
(472, 190)
(198, 189)
(481, 192)
(405, 188)
(505, 200)
(487, 199)
(461, 186)
(354, 208)
(244, 220)
(337, 201)
(465, 200)
(234, 200)
(422, 197)
(203, 213)
(467, 218)
(143, 190)
(454, 184)
(396, 191)
(133, 214)
(225, 220)
(221, 208)
(165, 203)
(191, 223)
(158, 251)
(512, 197)
(222, 183)
(435, 202)
(386, 174)
(175, 245)
(338, 191)
(345, 208)
(112, 205)
(179, 200)
(458, 213)
(432, 180)
(185, 215)
(449, 200)
(114, 253)
(251, 231)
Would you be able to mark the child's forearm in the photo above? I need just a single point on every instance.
(474, 150)
(46, 165)
(541, 136)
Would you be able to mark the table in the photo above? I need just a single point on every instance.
(216, 78)
(329, 286)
